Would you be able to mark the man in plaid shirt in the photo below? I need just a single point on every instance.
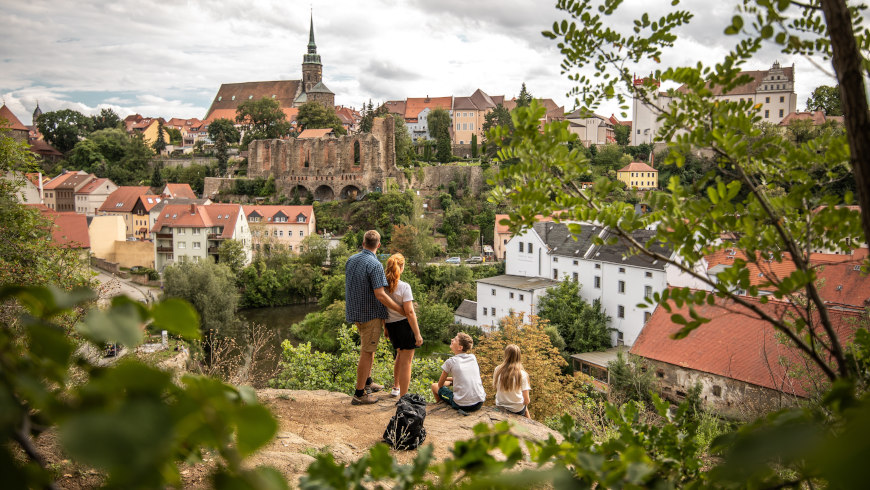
(366, 303)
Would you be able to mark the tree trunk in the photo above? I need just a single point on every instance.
(850, 75)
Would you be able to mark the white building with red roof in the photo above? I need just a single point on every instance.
(90, 197)
(185, 232)
(282, 227)
(178, 191)
(59, 192)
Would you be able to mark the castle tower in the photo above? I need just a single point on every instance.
(312, 70)
(36, 113)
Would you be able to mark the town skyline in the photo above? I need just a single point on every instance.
(161, 61)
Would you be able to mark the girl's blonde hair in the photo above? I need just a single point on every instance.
(394, 270)
(508, 376)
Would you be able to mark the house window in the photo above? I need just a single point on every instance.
(484, 312)
(182, 245)
(301, 233)
(647, 291)
(598, 282)
(646, 316)
(576, 262)
(522, 297)
(356, 152)
(781, 112)
(555, 273)
(620, 338)
(648, 274)
(597, 266)
(766, 114)
(493, 291)
(782, 99)
(521, 246)
(622, 270)
(196, 245)
(530, 247)
(622, 286)
(620, 311)
(181, 231)
(511, 295)
(576, 277)
(717, 390)
(767, 101)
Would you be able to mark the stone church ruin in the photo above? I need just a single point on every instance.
(330, 167)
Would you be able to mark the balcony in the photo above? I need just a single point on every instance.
(215, 236)
(212, 250)
(167, 236)
(164, 250)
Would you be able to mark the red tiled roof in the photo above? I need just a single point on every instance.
(289, 112)
(314, 133)
(396, 107)
(735, 343)
(231, 95)
(33, 177)
(760, 272)
(149, 201)
(500, 228)
(637, 167)
(844, 284)
(816, 117)
(414, 106)
(69, 230)
(14, 122)
(179, 191)
(268, 211)
(124, 198)
(65, 180)
(199, 216)
(613, 120)
(41, 147)
(750, 88)
(93, 186)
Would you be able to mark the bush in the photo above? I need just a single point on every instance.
(630, 380)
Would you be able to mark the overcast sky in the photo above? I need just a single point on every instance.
(167, 58)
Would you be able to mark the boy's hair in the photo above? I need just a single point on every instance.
(371, 239)
(465, 341)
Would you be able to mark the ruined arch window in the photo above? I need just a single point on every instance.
(307, 158)
(356, 152)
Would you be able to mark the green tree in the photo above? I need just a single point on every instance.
(630, 379)
(157, 180)
(314, 250)
(473, 146)
(404, 145)
(314, 115)
(368, 117)
(106, 119)
(826, 98)
(112, 153)
(524, 99)
(498, 117)
(622, 134)
(225, 127)
(582, 326)
(439, 121)
(434, 320)
(222, 155)
(231, 253)
(209, 287)
(261, 119)
(175, 137)
(63, 128)
(160, 142)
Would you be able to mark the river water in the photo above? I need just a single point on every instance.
(279, 318)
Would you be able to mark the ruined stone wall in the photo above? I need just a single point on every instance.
(428, 180)
(727, 396)
(330, 167)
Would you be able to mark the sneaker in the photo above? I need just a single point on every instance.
(373, 388)
(394, 392)
(363, 400)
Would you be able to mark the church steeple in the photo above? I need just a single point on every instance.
(312, 70)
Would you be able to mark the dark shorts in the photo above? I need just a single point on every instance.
(446, 394)
(401, 335)
(521, 412)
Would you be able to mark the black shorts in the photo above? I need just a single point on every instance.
(401, 335)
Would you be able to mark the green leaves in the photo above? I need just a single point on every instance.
(177, 317)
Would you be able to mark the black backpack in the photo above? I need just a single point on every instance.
(405, 430)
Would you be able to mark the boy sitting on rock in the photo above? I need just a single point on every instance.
(462, 371)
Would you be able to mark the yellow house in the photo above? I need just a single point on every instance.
(638, 175)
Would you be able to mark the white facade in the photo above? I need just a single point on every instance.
(591, 130)
(498, 297)
(526, 255)
(772, 91)
(93, 196)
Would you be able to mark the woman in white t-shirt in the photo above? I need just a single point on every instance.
(402, 330)
(511, 383)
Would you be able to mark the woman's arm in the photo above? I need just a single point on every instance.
(442, 380)
(411, 315)
(526, 397)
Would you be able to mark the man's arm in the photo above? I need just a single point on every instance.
(386, 300)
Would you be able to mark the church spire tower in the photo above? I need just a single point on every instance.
(312, 70)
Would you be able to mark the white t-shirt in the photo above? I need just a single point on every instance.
(467, 387)
(513, 400)
(400, 295)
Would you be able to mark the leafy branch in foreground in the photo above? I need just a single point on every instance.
(129, 420)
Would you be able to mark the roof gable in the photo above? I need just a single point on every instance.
(124, 198)
(14, 122)
(637, 167)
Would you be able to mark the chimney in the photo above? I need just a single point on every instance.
(41, 191)
(193, 209)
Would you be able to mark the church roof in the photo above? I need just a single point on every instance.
(231, 95)
(637, 167)
(320, 88)
(414, 106)
(14, 122)
(314, 133)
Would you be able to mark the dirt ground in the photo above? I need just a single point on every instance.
(311, 422)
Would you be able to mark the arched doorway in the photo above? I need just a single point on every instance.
(299, 194)
(350, 192)
(324, 193)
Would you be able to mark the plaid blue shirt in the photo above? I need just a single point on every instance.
(363, 274)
